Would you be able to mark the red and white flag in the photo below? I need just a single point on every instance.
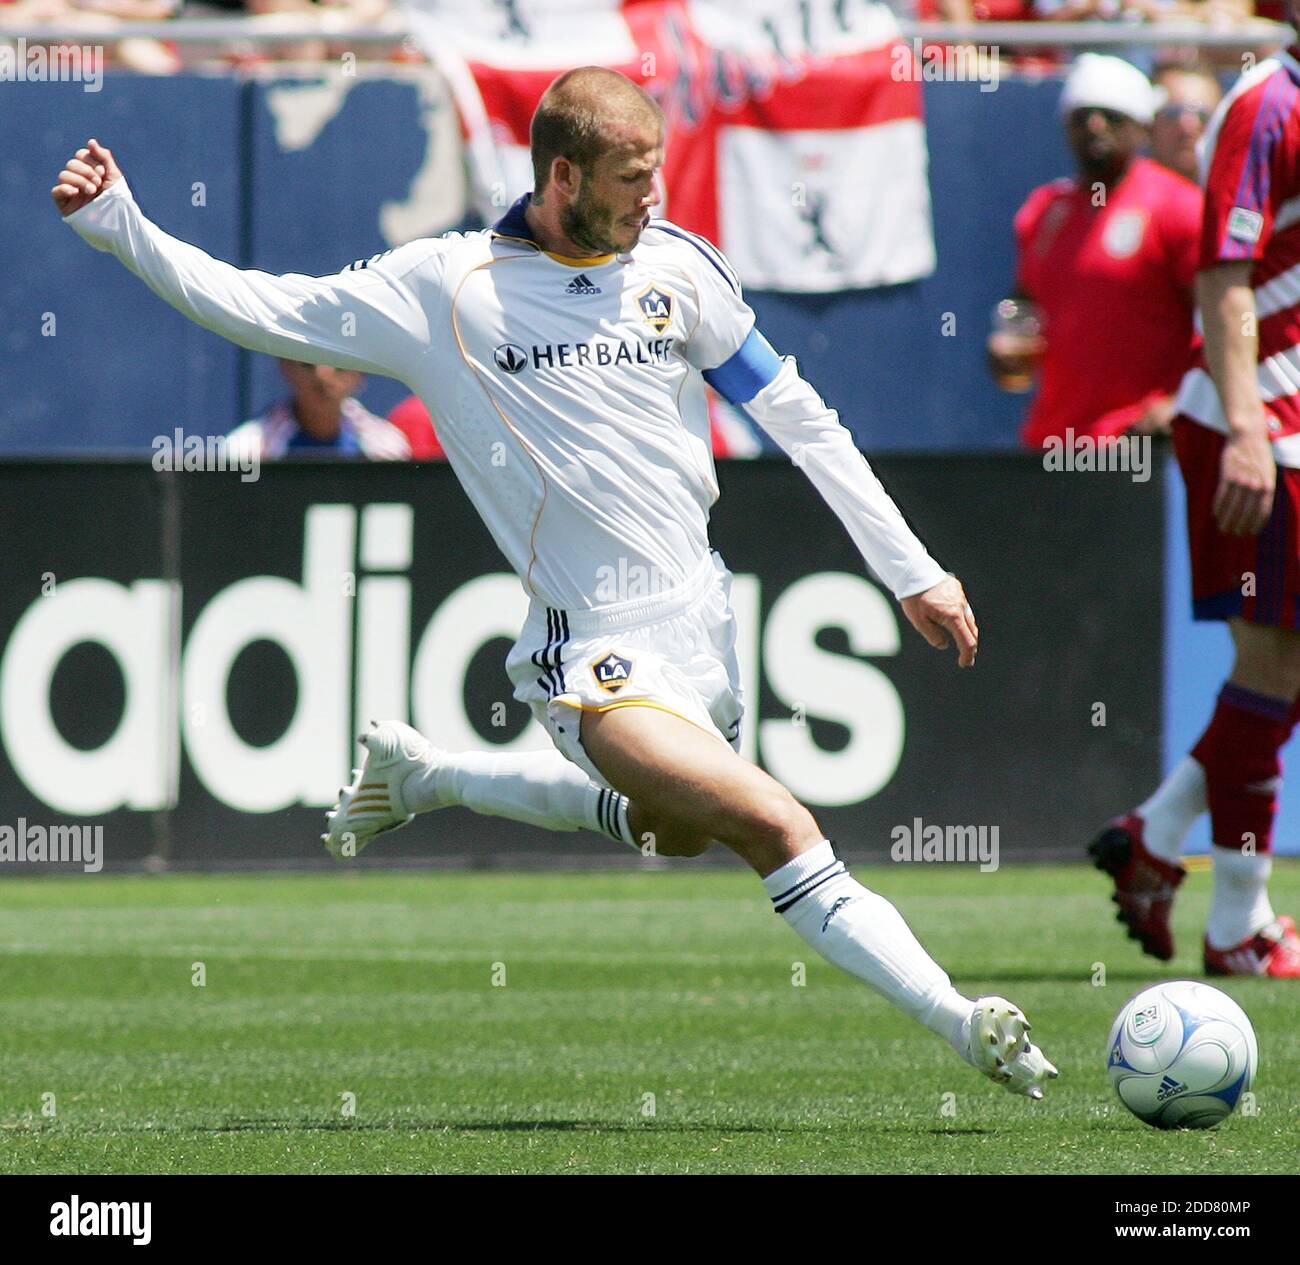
(795, 133)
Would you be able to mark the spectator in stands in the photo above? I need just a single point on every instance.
(100, 20)
(320, 418)
(132, 10)
(1107, 258)
(1220, 13)
(311, 16)
(413, 420)
(932, 10)
(1210, 12)
(68, 12)
(1186, 97)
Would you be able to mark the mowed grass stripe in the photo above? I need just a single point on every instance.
(648, 1023)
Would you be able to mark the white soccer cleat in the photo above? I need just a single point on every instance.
(373, 803)
(1000, 1049)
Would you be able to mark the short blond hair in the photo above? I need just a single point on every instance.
(574, 117)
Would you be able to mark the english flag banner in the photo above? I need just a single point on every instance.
(795, 141)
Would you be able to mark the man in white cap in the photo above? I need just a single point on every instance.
(1108, 259)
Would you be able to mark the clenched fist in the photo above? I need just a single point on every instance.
(89, 172)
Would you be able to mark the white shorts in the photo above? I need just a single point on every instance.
(675, 651)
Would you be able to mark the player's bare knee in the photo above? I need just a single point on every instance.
(777, 817)
(1267, 659)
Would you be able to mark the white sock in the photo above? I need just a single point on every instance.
(863, 934)
(1170, 813)
(1240, 906)
(541, 788)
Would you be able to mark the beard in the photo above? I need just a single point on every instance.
(587, 224)
(1102, 163)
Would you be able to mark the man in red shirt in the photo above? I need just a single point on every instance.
(1107, 258)
(1237, 436)
(412, 418)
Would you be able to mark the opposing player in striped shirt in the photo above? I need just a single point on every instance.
(1237, 436)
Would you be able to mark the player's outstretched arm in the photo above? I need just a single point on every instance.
(935, 603)
(369, 319)
(740, 364)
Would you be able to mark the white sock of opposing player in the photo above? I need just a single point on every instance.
(541, 788)
(1240, 906)
(863, 934)
(1170, 813)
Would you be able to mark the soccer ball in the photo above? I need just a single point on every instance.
(1181, 1054)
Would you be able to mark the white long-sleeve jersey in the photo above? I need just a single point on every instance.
(568, 393)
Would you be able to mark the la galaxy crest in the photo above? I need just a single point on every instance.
(612, 672)
(656, 307)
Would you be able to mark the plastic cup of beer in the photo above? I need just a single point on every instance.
(1015, 345)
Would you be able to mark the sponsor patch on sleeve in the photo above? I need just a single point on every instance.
(1244, 225)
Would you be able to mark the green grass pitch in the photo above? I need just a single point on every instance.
(575, 1023)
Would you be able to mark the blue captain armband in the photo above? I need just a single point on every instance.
(742, 377)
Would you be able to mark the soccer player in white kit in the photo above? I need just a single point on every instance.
(563, 356)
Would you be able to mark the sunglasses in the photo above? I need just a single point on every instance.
(1113, 117)
(1172, 113)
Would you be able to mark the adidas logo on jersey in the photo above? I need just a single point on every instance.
(582, 284)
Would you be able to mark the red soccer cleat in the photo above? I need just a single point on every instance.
(1144, 884)
(1274, 952)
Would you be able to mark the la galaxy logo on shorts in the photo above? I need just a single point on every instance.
(656, 307)
(612, 672)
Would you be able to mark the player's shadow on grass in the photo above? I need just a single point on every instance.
(1137, 972)
(466, 1126)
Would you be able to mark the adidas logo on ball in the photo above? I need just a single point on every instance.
(1168, 1088)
